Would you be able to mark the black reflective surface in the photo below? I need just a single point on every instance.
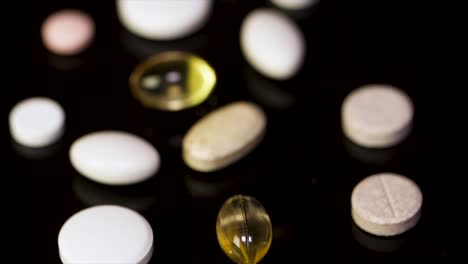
(304, 170)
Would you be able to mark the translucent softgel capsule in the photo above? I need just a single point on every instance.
(244, 229)
(172, 81)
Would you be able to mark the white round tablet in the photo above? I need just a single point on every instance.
(106, 234)
(377, 116)
(294, 4)
(386, 204)
(67, 31)
(163, 19)
(114, 157)
(37, 122)
(272, 43)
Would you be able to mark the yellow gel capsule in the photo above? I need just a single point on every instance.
(172, 81)
(244, 229)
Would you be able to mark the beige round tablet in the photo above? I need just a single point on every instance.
(386, 204)
(377, 116)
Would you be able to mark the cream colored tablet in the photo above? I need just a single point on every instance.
(37, 122)
(377, 116)
(224, 136)
(106, 234)
(294, 4)
(386, 204)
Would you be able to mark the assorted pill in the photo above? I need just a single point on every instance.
(244, 229)
(114, 157)
(172, 81)
(37, 122)
(272, 43)
(106, 234)
(68, 32)
(377, 116)
(294, 4)
(386, 204)
(163, 19)
(224, 136)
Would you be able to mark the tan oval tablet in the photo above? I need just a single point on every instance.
(386, 204)
(224, 136)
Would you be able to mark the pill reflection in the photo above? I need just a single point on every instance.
(66, 63)
(368, 155)
(206, 188)
(375, 243)
(267, 92)
(90, 194)
(39, 153)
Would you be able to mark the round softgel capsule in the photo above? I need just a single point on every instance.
(37, 122)
(106, 234)
(172, 81)
(68, 31)
(386, 204)
(377, 116)
(163, 19)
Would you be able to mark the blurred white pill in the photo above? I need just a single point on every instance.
(67, 31)
(377, 116)
(294, 4)
(106, 234)
(272, 43)
(163, 19)
(37, 122)
(386, 204)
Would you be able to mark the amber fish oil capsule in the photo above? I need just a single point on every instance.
(244, 229)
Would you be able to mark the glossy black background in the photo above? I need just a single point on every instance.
(304, 170)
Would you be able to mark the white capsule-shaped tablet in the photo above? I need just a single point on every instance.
(377, 116)
(272, 43)
(114, 157)
(106, 234)
(37, 122)
(294, 4)
(224, 136)
(163, 19)
(386, 204)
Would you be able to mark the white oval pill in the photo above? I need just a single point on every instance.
(106, 234)
(386, 204)
(223, 136)
(37, 122)
(67, 31)
(163, 19)
(272, 43)
(294, 4)
(377, 116)
(114, 157)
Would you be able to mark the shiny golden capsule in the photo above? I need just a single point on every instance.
(172, 81)
(244, 229)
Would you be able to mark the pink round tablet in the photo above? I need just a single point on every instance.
(67, 31)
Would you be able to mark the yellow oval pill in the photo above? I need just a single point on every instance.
(224, 136)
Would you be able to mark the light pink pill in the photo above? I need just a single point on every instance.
(67, 31)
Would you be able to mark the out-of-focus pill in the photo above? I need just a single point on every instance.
(272, 43)
(37, 122)
(68, 31)
(114, 157)
(294, 4)
(106, 234)
(163, 19)
(377, 116)
(224, 136)
(386, 204)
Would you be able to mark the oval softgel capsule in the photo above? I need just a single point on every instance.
(114, 157)
(272, 43)
(224, 136)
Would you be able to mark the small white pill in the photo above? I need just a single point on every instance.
(377, 116)
(294, 4)
(114, 157)
(272, 43)
(67, 31)
(37, 122)
(163, 19)
(106, 234)
(386, 204)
